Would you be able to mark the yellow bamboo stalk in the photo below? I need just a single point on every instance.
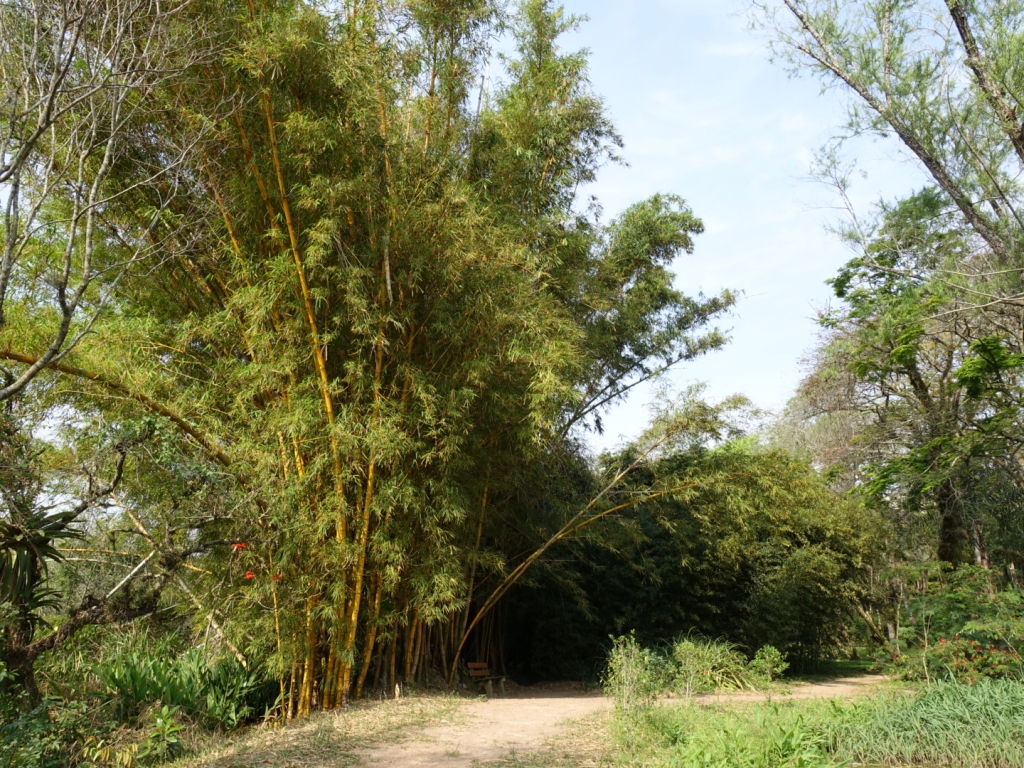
(330, 679)
(291, 691)
(424, 628)
(284, 456)
(277, 619)
(391, 667)
(310, 312)
(364, 533)
(300, 464)
(370, 641)
(293, 239)
(410, 644)
(306, 691)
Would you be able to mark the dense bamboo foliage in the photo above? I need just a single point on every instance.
(363, 329)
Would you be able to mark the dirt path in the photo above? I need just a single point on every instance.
(839, 688)
(488, 730)
(529, 719)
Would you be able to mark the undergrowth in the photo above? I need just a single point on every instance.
(945, 724)
(132, 700)
(690, 735)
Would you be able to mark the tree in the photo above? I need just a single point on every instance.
(30, 533)
(944, 79)
(80, 87)
(928, 382)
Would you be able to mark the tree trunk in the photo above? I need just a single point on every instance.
(23, 666)
(953, 540)
(371, 638)
(391, 668)
(20, 661)
(980, 547)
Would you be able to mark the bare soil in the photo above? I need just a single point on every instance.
(838, 688)
(488, 730)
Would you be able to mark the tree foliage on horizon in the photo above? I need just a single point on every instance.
(913, 398)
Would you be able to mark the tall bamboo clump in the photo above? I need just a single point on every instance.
(361, 319)
(370, 315)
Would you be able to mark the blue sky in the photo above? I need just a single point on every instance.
(705, 114)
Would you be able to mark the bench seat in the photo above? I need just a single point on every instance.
(480, 673)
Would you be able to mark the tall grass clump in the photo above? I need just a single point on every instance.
(699, 665)
(946, 723)
(692, 665)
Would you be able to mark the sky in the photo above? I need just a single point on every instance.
(705, 114)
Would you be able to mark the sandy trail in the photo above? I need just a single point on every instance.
(839, 688)
(488, 730)
(528, 719)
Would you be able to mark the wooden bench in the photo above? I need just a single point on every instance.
(481, 675)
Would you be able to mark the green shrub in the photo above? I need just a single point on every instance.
(634, 675)
(964, 659)
(768, 663)
(963, 628)
(44, 737)
(160, 743)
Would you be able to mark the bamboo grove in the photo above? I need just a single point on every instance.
(364, 318)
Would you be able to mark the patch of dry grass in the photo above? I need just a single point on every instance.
(583, 743)
(325, 740)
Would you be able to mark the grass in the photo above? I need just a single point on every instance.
(692, 665)
(948, 724)
(945, 724)
(326, 740)
(720, 736)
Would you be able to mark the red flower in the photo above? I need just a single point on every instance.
(276, 577)
(238, 545)
(250, 575)
(942, 639)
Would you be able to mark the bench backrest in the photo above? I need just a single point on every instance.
(478, 669)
